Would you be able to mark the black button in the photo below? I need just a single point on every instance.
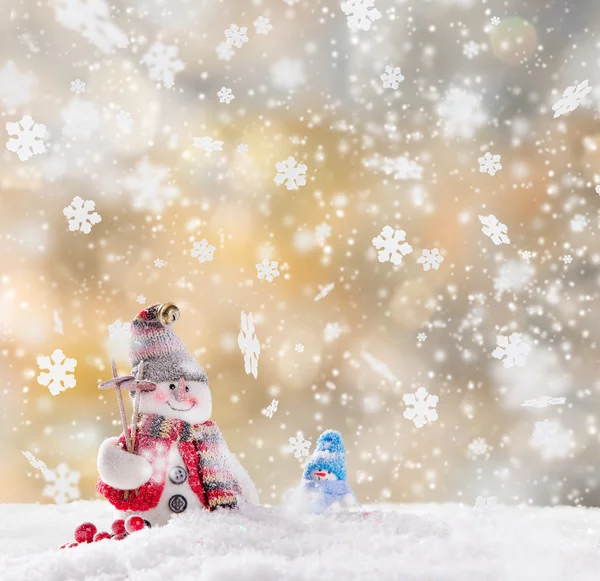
(178, 475)
(177, 503)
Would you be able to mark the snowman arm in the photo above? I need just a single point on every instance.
(249, 492)
(121, 469)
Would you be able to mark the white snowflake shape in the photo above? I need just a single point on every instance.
(203, 251)
(299, 348)
(236, 36)
(460, 113)
(402, 168)
(479, 447)
(578, 223)
(360, 13)
(322, 232)
(495, 21)
(392, 77)
(512, 350)
(263, 25)
(59, 371)
(571, 99)
(224, 51)
(28, 138)
(551, 439)
(430, 259)
(225, 95)
(208, 144)
(242, 148)
(543, 401)
(119, 331)
(266, 270)
(299, 446)
(495, 230)
(81, 216)
(421, 337)
(391, 246)
(148, 188)
(332, 332)
(471, 49)
(36, 463)
(291, 173)
(159, 263)
(78, 86)
(61, 484)
(423, 410)
(489, 163)
(271, 408)
(81, 118)
(567, 259)
(249, 345)
(162, 63)
(141, 299)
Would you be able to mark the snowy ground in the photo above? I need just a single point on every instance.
(404, 543)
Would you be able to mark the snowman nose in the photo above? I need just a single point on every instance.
(181, 390)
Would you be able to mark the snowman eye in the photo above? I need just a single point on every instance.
(172, 386)
(187, 388)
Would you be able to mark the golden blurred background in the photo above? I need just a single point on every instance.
(311, 89)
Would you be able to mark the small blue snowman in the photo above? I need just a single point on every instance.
(324, 479)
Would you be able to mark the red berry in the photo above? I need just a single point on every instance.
(85, 532)
(134, 523)
(101, 536)
(119, 537)
(118, 527)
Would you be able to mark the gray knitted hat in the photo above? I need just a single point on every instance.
(164, 354)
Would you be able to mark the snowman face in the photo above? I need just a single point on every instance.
(323, 475)
(189, 401)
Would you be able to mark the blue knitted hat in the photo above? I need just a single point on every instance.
(329, 455)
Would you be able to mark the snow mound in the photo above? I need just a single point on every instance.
(403, 543)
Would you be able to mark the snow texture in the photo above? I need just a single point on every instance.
(400, 543)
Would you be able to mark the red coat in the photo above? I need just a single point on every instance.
(205, 457)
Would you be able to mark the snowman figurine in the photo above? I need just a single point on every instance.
(324, 486)
(179, 459)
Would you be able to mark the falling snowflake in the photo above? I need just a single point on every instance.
(162, 63)
(402, 168)
(495, 21)
(58, 376)
(37, 464)
(271, 409)
(332, 332)
(203, 251)
(597, 190)
(81, 216)
(494, 229)
(119, 331)
(291, 173)
(58, 324)
(567, 259)
(224, 51)
(141, 299)
(391, 245)
(479, 447)
(489, 164)
(430, 259)
(266, 270)
(159, 263)
(578, 223)
(148, 187)
(225, 95)
(77, 87)
(299, 446)
(236, 36)
(571, 99)
(299, 348)
(460, 113)
(208, 144)
(392, 77)
(423, 410)
(512, 350)
(28, 138)
(421, 337)
(543, 401)
(471, 49)
(322, 231)
(287, 74)
(61, 484)
(360, 13)
(82, 119)
(242, 148)
(15, 86)
(551, 439)
(92, 20)
(324, 290)
(262, 25)
(249, 345)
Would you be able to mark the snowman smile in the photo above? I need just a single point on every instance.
(180, 410)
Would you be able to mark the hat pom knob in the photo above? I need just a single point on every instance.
(168, 314)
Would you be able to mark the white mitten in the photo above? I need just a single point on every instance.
(121, 469)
